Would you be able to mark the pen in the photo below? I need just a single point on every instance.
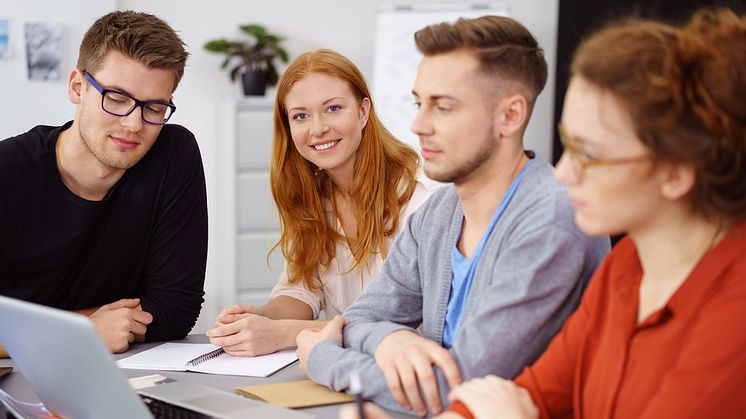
(356, 389)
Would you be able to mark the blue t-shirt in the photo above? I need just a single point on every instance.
(464, 269)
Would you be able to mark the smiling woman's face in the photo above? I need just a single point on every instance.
(326, 122)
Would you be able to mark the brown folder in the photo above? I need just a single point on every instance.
(294, 394)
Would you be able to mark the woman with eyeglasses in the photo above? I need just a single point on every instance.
(654, 129)
(343, 185)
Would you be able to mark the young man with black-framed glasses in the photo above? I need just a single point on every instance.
(107, 214)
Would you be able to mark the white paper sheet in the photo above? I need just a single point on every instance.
(174, 357)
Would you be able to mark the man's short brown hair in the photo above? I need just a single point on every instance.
(140, 36)
(503, 46)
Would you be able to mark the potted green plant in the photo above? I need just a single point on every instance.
(257, 59)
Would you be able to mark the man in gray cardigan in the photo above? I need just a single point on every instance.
(489, 267)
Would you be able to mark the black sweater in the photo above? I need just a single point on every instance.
(147, 238)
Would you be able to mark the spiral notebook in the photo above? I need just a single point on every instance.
(206, 358)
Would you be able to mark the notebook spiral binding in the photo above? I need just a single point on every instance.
(206, 357)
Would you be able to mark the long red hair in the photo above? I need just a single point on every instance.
(383, 180)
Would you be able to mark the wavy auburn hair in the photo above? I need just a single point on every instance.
(684, 90)
(383, 179)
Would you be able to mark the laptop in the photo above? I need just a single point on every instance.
(75, 376)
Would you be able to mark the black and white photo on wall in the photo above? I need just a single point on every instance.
(43, 51)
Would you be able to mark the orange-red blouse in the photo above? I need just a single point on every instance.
(686, 360)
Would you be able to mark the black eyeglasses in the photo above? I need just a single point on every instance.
(116, 103)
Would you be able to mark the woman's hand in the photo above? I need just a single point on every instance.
(248, 334)
(495, 397)
(238, 309)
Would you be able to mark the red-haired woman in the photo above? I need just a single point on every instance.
(343, 185)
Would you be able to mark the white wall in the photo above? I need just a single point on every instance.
(343, 25)
(26, 104)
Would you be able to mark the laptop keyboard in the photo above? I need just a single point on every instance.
(164, 410)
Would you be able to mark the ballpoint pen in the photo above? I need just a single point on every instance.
(356, 389)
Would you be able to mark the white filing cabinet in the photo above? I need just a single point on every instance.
(246, 217)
